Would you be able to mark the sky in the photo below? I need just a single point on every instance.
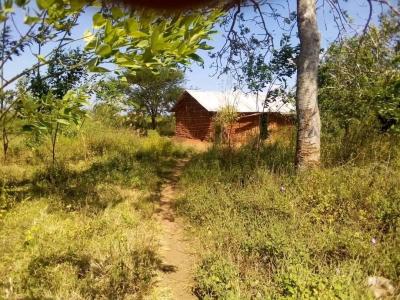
(201, 77)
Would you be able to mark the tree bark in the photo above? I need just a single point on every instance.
(153, 122)
(308, 117)
(53, 144)
(5, 142)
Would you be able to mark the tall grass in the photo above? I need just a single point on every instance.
(269, 233)
(82, 229)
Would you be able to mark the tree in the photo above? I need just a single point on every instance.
(66, 70)
(155, 93)
(112, 94)
(308, 118)
(48, 116)
(128, 39)
(360, 79)
(51, 22)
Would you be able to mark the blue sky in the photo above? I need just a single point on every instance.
(201, 77)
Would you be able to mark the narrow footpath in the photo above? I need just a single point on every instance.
(178, 259)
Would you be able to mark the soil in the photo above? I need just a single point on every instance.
(178, 259)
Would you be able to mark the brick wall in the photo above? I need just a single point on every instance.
(194, 122)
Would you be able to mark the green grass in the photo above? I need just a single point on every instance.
(82, 229)
(269, 233)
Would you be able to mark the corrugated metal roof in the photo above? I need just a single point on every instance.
(244, 103)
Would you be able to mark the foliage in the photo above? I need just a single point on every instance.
(108, 114)
(146, 95)
(50, 21)
(148, 40)
(111, 91)
(360, 79)
(155, 93)
(254, 54)
(66, 71)
(111, 96)
(48, 116)
(8, 45)
(259, 73)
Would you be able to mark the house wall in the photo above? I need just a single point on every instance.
(248, 126)
(194, 122)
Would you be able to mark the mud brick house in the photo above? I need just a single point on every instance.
(195, 111)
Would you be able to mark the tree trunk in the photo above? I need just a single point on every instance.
(153, 122)
(5, 142)
(308, 118)
(53, 144)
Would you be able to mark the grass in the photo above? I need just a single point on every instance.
(269, 233)
(82, 229)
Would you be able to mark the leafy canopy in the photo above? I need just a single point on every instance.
(137, 40)
(155, 93)
(360, 78)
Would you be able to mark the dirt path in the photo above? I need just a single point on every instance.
(176, 276)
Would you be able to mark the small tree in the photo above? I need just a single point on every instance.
(48, 116)
(155, 93)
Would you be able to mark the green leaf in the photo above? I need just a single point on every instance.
(98, 21)
(77, 5)
(62, 121)
(31, 20)
(157, 42)
(99, 70)
(88, 36)
(104, 50)
(27, 128)
(132, 25)
(117, 12)
(143, 44)
(93, 62)
(21, 3)
(8, 6)
(197, 58)
(138, 34)
(204, 46)
(41, 58)
(45, 4)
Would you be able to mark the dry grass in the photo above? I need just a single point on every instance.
(268, 233)
(82, 229)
